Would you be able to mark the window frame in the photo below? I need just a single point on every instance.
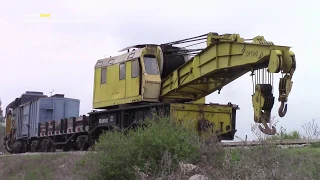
(103, 75)
(137, 70)
(123, 72)
(155, 58)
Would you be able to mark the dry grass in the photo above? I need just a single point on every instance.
(44, 167)
(215, 162)
(266, 162)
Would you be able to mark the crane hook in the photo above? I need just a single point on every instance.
(265, 118)
(267, 130)
(282, 109)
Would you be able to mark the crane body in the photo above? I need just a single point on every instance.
(164, 73)
(174, 81)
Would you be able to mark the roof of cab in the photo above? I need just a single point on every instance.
(119, 59)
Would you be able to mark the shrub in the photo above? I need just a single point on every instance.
(283, 135)
(119, 154)
(2, 134)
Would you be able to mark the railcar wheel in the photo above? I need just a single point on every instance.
(44, 147)
(82, 143)
(7, 144)
(35, 146)
(23, 147)
(17, 147)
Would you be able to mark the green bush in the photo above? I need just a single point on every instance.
(315, 145)
(145, 147)
(286, 136)
(2, 134)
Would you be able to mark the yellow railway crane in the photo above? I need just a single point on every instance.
(183, 77)
(170, 79)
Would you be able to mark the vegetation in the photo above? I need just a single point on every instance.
(2, 130)
(155, 151)
(1, 113)
(2, 133)
(286, 136)
(161, 147)
(42, 167)
(145, 148)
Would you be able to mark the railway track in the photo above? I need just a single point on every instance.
(45, 153)
(298, 142)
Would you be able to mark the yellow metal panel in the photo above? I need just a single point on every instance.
(103, 104)
(119, 86)
(200, 101)
(214, 67)
(95, 90)
(128, 88)
(97, 86)
(135, 86)
(8, 124)
(132, 84)
(151, 83)
(115, 91)
(152, 86)
(219, 115)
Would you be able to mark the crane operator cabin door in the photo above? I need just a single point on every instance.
(133, 78)
(151, 78)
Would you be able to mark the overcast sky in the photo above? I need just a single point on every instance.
(61, 54)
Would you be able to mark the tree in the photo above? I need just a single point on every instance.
(1, 113)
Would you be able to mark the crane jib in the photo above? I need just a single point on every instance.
(224, 61)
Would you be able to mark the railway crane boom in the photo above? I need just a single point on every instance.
(228, 57)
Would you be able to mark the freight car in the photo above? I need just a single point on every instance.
(166, 78)
(44, 124)
(29, 112)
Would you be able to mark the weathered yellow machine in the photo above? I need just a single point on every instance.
(167, 78)
(165, 73)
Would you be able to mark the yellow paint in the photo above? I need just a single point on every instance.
(218, 114)
(226, 58)
(8, 123)
(113, 92)
(151, 82)
(116, 91)
(208, 71)
(45, 15)
(200, 101)
(132, 83)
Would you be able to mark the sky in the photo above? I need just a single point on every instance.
(60, 54)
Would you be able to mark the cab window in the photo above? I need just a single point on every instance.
(151, 64)
(122, 71)
(135, 70)
(103, 75)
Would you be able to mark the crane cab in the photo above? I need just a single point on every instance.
(128, 78)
